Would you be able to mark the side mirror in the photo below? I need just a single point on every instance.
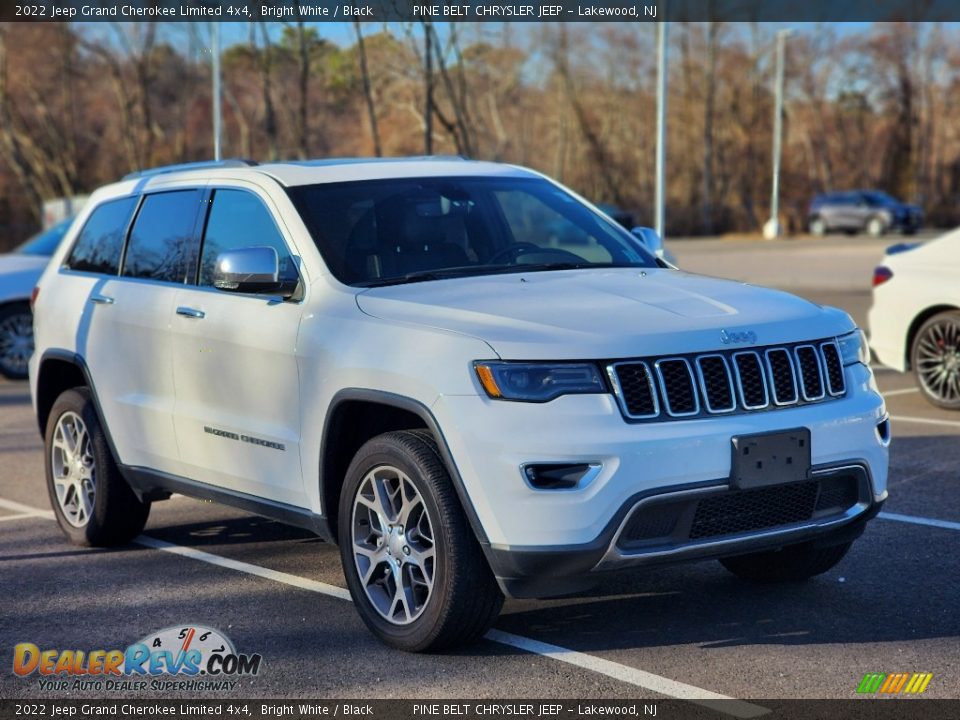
(248, 270)
(650, 239)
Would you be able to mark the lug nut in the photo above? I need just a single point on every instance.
(406, 550)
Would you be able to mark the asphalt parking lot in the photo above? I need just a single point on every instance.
(687, 631)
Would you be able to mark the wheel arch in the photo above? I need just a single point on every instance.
(915, 326)
(350, 422)
(58, 371)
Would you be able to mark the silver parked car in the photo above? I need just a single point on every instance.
(19, 272)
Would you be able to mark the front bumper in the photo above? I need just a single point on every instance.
(561, 535)
(546, 572)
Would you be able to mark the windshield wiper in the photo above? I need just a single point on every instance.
(439, 274)
(467, 270)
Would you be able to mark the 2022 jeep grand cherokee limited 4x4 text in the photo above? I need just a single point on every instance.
(395, 355)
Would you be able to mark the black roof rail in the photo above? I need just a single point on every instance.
(210, 164)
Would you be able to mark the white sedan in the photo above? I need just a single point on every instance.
(915, 318)
(19, 272)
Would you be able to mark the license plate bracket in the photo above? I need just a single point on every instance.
(773, 458)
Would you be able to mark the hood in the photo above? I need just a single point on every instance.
(18, 275)
(14, 263)
(605, 313)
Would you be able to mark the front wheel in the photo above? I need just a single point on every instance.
(935, 359)
(818, 227)
(876, 227)
(792, 563)
(414, 568)
(92, 502)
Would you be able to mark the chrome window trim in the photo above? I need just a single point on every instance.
(618, 390)
(763, 380)
(821, 368)
(773, 385)
(703, 384)
(666, 395)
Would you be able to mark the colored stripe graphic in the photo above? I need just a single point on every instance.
(871, 682)
(893, 683)
(918, 683)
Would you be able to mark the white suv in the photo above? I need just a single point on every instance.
(465, 375)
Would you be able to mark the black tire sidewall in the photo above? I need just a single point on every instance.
(418, 633)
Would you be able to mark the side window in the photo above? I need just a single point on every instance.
(238, 219)
(162, 244)
(100, 243)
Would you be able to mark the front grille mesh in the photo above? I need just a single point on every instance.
(728, 381)
(750, 510)
(736, 512)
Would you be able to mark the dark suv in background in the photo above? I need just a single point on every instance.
(872, 211)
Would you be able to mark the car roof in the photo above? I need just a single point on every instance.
(309, 172)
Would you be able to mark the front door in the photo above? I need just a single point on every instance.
(237, 412)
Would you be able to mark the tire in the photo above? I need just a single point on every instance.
(790, 564)
(451, 597)
(818, 227)
(935, 359)
(16, 340)
(78, 455)
(875, 227)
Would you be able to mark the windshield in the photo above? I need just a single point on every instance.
(880, 199)
(45, 243)
(377, 232)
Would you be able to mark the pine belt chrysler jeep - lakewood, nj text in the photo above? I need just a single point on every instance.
(465, 375)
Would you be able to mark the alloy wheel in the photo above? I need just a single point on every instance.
(393, 545)
(74, 469)
(938, 360)
(16, 343)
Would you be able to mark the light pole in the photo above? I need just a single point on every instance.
(660, 192)
(772, 228)
(215, 38)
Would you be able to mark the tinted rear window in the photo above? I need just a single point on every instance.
(100, 243)
(162, 242)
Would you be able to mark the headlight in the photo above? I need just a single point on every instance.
(854, 348)
(538, 382)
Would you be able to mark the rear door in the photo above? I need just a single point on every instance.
(234, 360)
(126, 339)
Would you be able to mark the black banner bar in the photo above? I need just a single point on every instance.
(645, 11)
(865, 708)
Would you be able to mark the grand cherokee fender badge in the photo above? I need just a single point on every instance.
(243, 438)
(728, 337)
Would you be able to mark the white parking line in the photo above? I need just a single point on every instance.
(914, 520)
(281, 577)
(19, 516)
(925, 421)
(624, 673)
(901, 391)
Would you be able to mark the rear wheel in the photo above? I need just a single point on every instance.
(92, 502)
(16, 340)
(935, 358)
(792, 563)
(414, 569)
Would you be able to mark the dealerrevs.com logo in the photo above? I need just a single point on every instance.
(189, 657)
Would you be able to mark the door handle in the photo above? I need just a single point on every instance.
(191, 313)
(101, 300)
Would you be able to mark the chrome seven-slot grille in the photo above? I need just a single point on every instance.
(728, 381)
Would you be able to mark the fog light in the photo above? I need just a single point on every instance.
(559, 476)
